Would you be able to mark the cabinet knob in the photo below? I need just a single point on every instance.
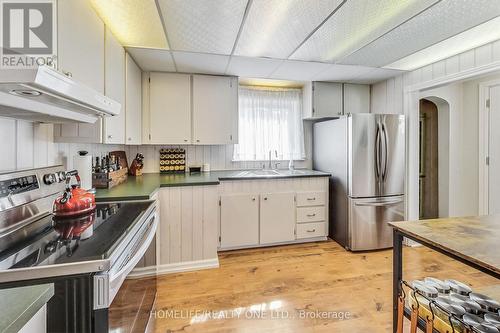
(313, 230)
(253, 199)
(197, 140)
(185, 140)
(129, 139)
(311, 215)
(110, 137)
(265, 198)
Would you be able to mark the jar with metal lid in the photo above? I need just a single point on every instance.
(486, 328)
(486, 302)
(469, 305)
(442, 287)
(428, 292)
(445, 308)
(472, 320)
(458, 287)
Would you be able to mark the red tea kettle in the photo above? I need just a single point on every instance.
(75, 200)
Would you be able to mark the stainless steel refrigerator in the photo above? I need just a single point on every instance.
(365, 153)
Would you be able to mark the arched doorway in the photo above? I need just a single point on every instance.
(434, 158)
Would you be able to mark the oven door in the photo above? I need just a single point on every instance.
(128, 303)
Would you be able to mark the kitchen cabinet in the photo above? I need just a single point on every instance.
(356, 98)
(277, 217)
(331, 99)
(80, 43)
(114, 87)
(169, 108)
(215, 109)
(239, 220)
(133, 102)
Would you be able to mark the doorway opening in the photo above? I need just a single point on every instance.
(434, 158)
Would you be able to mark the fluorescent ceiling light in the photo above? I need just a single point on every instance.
(134, 23)
(467, 40)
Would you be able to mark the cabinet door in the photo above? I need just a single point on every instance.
(133, 102)
(327, 99)
(114, 86)
(239, 220)
(356, 98)
(277, 217)
(80, 53)
(215, 105)
(80, 43)
(170, 108)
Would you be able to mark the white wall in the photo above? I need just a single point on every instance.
(27, 145)
(388, 97)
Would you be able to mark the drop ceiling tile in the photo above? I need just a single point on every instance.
(252, 67)
(274, 28)
(204, 63)
(202, 26)
(376, 75)
(299, 70)
(441, 21)
(355, 24)
(134, 23)
(342, 73)
(152, 59)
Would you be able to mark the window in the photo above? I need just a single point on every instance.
(269, 119)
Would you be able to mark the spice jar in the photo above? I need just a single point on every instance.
(458, 287)
(442, 287)
(487, 303)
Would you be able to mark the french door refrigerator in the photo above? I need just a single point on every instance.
(365, 153)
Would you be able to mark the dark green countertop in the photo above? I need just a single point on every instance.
(19, 305)
(142, 187)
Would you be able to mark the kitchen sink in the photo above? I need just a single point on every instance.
(264, 173)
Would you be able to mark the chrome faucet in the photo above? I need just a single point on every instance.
(270, 166)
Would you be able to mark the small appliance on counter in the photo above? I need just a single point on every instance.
(173, 160)
(137, 165)
(195, 168)
(109, 171)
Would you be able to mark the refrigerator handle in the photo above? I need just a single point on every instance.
(379, 204)
(386, 152)
(378, 167)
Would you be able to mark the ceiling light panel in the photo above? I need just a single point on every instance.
(354, 25)
(274, 28)
(202, 26)
(152, 59)
(134, 23)
(299, 70)
(203, 63)
(467, 40)
(443, 20)
(252, 67)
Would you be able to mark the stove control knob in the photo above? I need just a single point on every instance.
(61, 175)
(49, 179)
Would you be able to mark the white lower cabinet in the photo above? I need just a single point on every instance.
(277, 217)
(239, 220)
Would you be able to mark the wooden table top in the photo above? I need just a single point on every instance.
(474, 239)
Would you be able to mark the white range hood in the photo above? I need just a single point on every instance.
(44, 95)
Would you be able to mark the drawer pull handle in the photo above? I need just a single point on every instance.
(311, 215)
(311, 199)
(313, 230)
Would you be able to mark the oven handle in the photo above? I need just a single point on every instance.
(134, 259)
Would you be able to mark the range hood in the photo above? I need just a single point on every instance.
(44, 95)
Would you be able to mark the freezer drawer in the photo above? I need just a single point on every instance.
(368, 222)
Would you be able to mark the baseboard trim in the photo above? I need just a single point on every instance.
(296, 241)
(188, 266)
(142, 272)
(177, 267)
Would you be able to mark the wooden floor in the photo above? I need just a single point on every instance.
(288, 288)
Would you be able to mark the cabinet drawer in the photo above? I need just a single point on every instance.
(310, 214)
(310, 230)
(310, 198)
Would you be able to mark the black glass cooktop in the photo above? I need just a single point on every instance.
(92, 236)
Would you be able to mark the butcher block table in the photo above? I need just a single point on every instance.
(474, 241)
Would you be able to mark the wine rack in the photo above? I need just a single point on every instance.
(172, 160)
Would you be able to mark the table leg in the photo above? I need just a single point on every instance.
(397, 271)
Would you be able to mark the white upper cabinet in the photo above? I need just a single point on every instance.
(80, 54)
(80, 43)
(356, 98)
(215, 107)
(114, 127)
(169, 108)
(331, 99)
(133, 102)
